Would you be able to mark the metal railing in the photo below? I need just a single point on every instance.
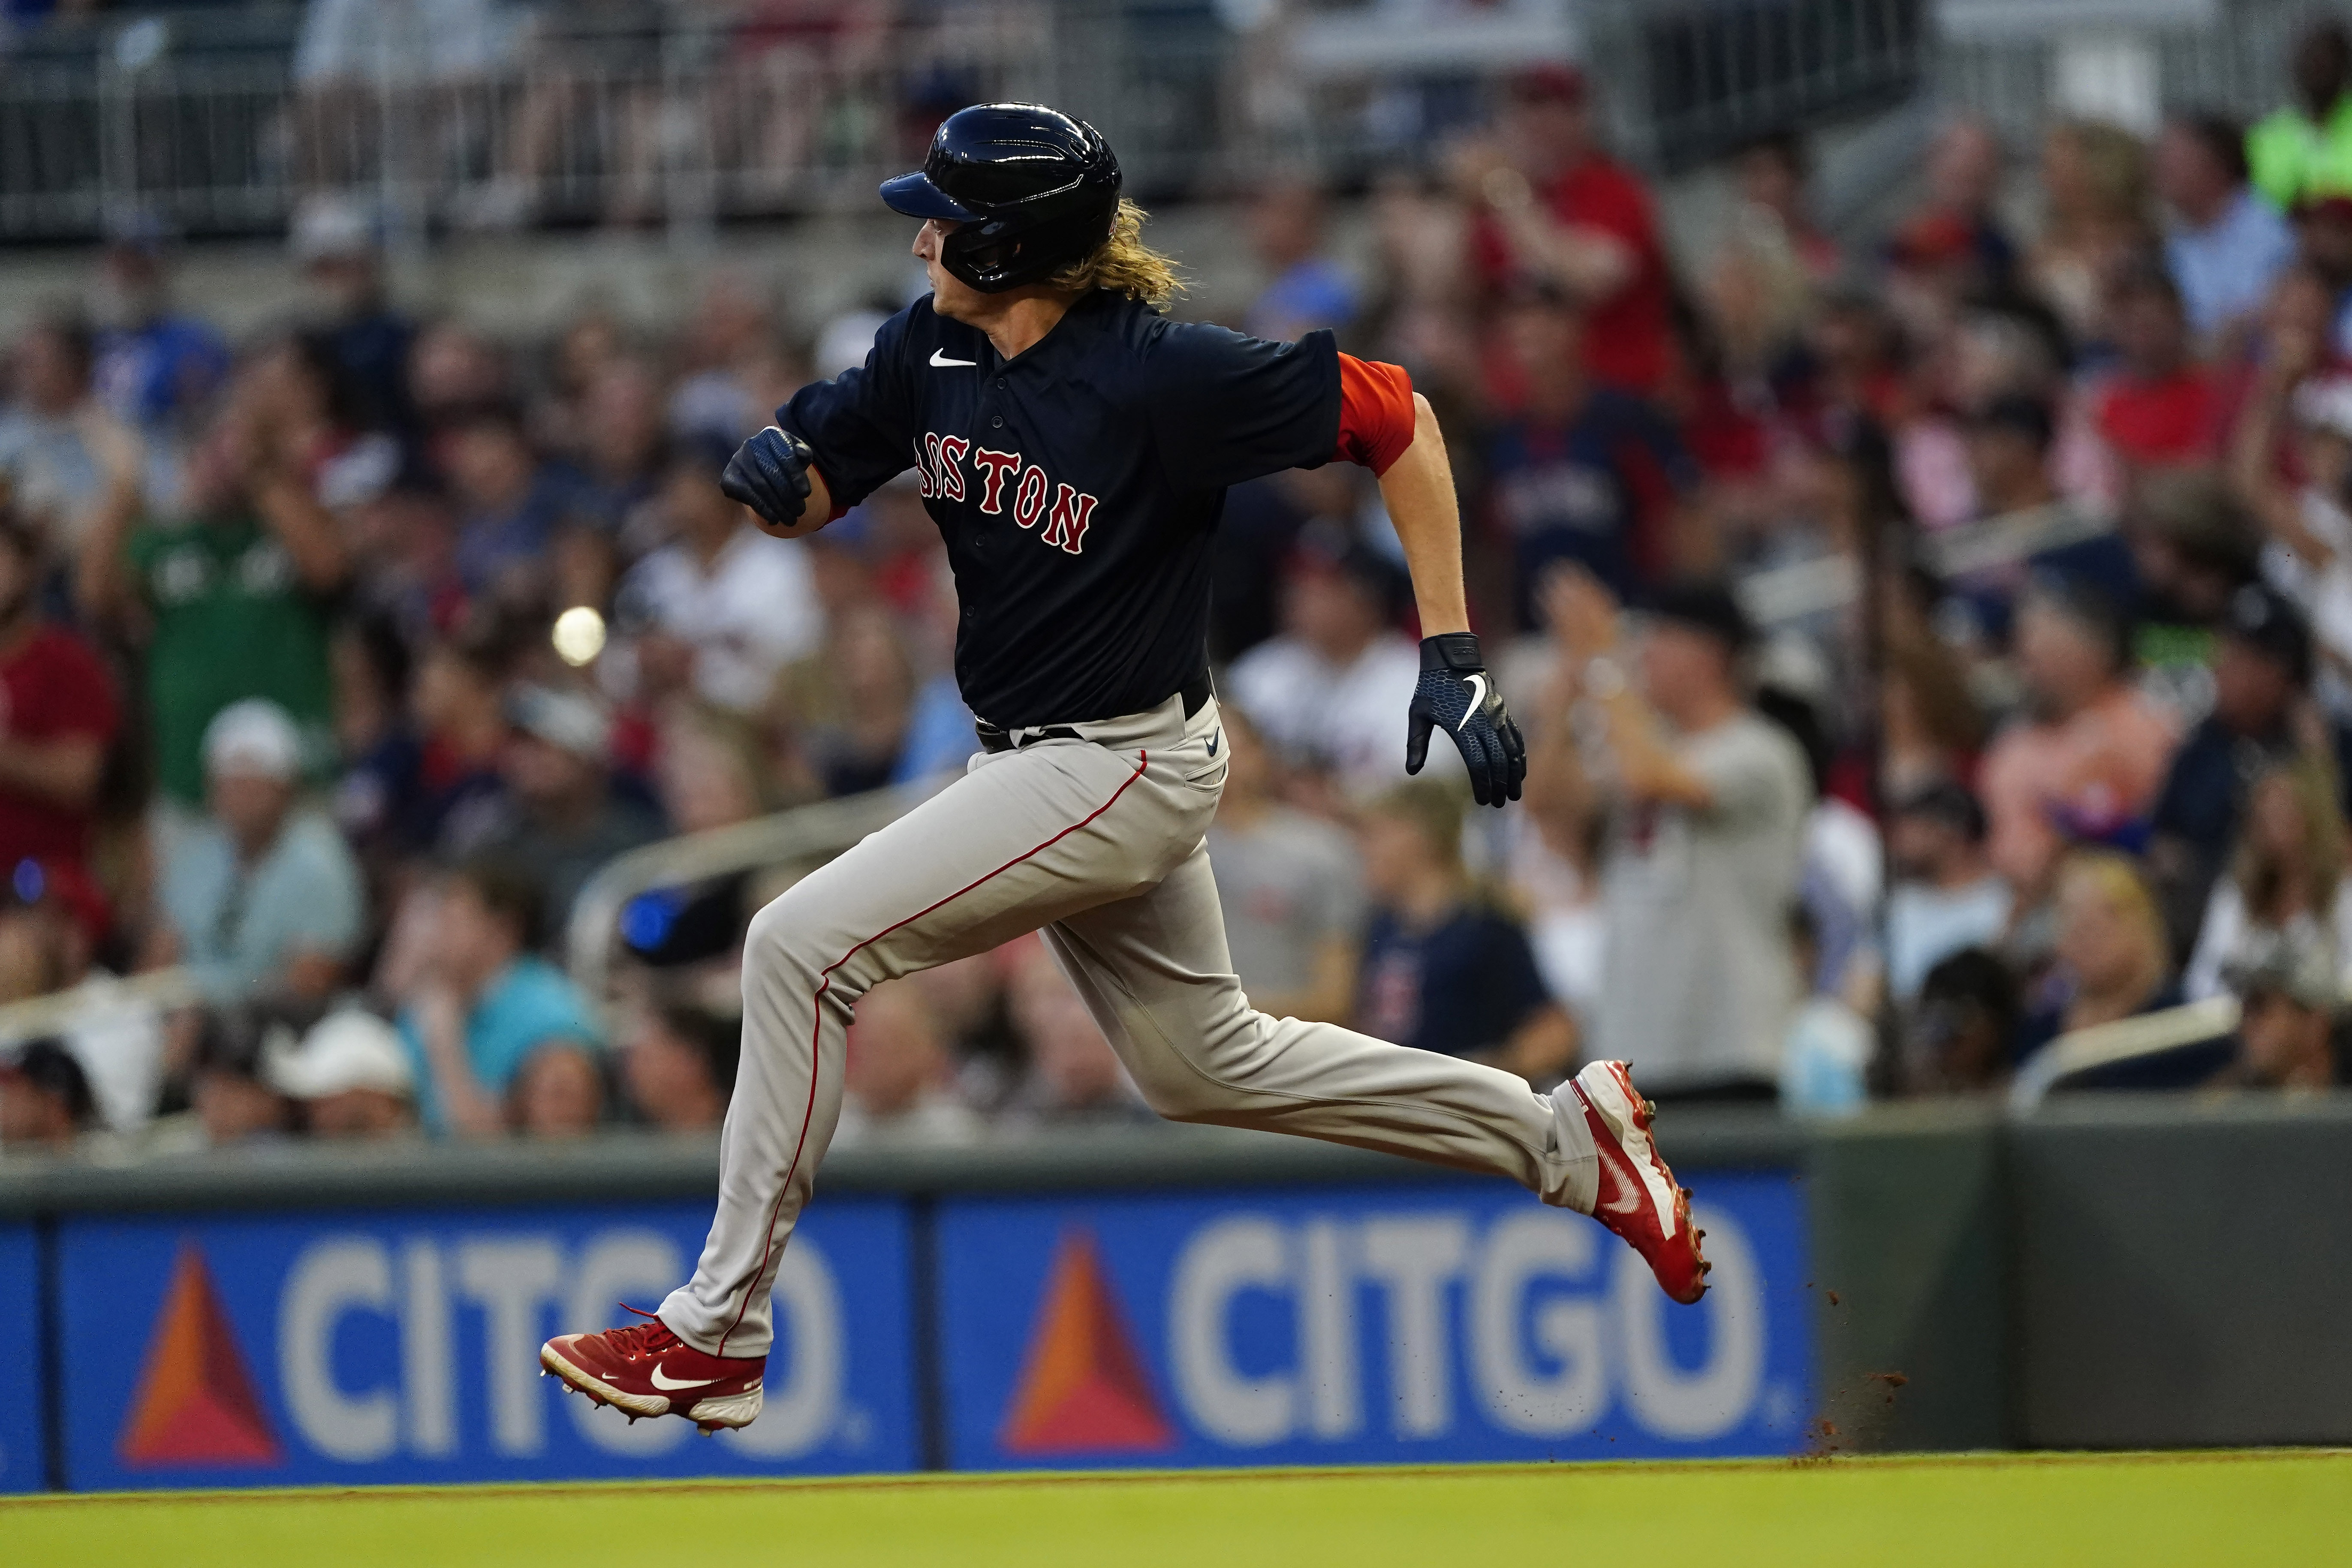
(2140, 1038)
(1998, 58)
(553, 119)
(790, 843)
(1690, 82)
(222, 121)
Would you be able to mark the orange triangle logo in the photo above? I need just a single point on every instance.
(195, 1403)
(1083, 1388)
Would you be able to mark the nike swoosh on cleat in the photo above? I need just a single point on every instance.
(940, 361)
(661, 1379)
(1476, 701)
(1626, 1201)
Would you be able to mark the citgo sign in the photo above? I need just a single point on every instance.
(388, 1347)
(1447, 1321)
(1434, 1320)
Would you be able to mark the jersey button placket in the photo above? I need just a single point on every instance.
(995, 422)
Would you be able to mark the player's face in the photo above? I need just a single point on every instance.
(951, 296)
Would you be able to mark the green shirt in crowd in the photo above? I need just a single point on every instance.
(232, 621)
(2291, 156)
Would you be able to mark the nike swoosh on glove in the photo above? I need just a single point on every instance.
(1457, 695)
(769, 474)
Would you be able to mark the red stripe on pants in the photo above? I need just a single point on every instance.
(816, 1024)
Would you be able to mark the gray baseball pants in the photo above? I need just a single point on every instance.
(1099, 841)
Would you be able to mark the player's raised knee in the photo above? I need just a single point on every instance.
(785, 934)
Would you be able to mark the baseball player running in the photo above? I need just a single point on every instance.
(1074, 446)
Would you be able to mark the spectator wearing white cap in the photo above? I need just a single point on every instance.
(261, 899)
(560, 819)
(351, 1075)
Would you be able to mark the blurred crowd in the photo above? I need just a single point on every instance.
(496, 115)
(1931, 646)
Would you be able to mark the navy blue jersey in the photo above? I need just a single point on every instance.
(1461, 988)
(1076, 485)
(1586, 490)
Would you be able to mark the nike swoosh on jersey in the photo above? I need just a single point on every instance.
(661, 1379)
(1477, 700)
(940, 361)
(1213, 741)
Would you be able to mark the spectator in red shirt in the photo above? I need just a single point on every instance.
(2161, 410)
(57, 715)
(1552, 207)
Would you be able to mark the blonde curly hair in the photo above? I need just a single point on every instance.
(1124, 265)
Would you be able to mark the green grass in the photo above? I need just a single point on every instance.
(2214, 1510)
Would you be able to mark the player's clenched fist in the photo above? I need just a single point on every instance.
(1458, 695)
(769, 474)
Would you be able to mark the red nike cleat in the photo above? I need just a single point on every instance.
(1638, 1197)
(645, 1370)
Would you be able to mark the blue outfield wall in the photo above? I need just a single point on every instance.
(24, 1465)
(1450, 1320)
(387, 1346)
(1187, 1297)
(1380, 1322)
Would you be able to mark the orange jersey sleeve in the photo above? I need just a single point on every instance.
(1375, 413)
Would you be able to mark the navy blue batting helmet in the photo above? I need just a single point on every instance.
(1031, 189)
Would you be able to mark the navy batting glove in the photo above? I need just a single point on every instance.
(769, 473)
(1458, 695)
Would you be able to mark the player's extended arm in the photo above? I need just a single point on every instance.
(774, 473)
(1418, 489)
(1417, 483)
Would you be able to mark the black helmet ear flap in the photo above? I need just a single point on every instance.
(998, 255)
(1030, 188)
